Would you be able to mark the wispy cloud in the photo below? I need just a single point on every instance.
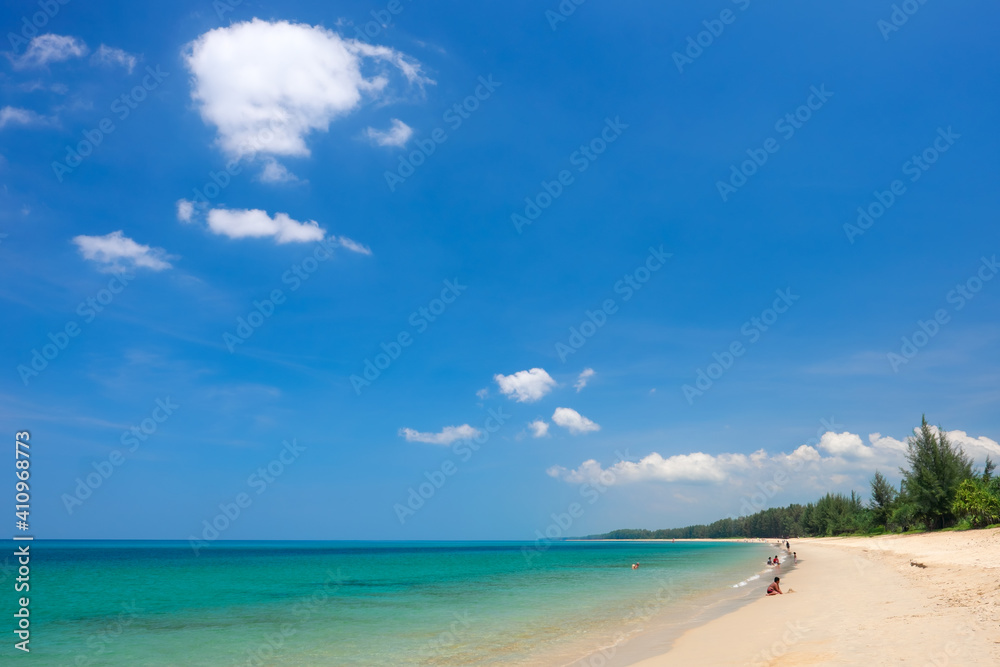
(110, 56)
(397, 135)
(116, 252)
(50, 48)
(448, 435)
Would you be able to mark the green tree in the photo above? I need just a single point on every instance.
(882, 501)
(936, 470)
(975, 501)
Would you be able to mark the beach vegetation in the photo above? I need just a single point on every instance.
(937, 469)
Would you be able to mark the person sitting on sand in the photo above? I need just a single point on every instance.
(774, 588)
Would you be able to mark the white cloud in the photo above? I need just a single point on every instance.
(573, 421)
(17, 116)
(353, 246)
(448, 435)
(266, 85)
(397, 135)
(539, 428)
(50, 48)
(185, 209)
(845, 444)
(116, 252)
(255, 223)
(275, 172)
(585, 376)
(482, 393)
(110, 56)
(525, 386)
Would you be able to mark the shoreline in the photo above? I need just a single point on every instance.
(858, 600)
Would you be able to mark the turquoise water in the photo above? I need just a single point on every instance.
(365, 603)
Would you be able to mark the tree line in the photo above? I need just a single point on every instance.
(939, 489)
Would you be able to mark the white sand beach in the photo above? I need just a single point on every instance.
(925, 599)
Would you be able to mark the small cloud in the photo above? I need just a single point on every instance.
(353, 246)
(50, 48)
(275, 172)
(653, 390)
(116, 252)
(185, 209)
(448, 435)
(483, 393)
(539, 428)
(525, 386)
(397, 135)
(255, 223)
(581, 381)
(110, 56)
(17, 116)
(573, 421)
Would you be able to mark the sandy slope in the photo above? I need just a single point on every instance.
(859, 601)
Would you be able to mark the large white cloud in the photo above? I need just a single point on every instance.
(255, 223)
(844, 444)
(116, 252)
(266, 85)
(49, 48)
(573, 421)
(525, 386)
(448, 435)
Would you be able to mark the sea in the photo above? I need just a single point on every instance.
(256, 604)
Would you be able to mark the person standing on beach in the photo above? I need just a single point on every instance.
(774, 588)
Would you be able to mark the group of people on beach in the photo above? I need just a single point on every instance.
(774, 588)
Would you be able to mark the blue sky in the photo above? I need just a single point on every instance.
(370, 179)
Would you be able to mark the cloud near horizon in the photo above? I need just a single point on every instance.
(847, 459)
(266, 85)
(448, 435)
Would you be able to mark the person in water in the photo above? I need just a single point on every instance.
(769, 560)
(774, 588)
(795, 557)
(635, 565)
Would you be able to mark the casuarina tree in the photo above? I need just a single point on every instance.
(937, 469)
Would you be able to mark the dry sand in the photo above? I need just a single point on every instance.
(859, 601)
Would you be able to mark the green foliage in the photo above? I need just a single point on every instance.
(975, 502)
(883, 499)
(936, 471)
